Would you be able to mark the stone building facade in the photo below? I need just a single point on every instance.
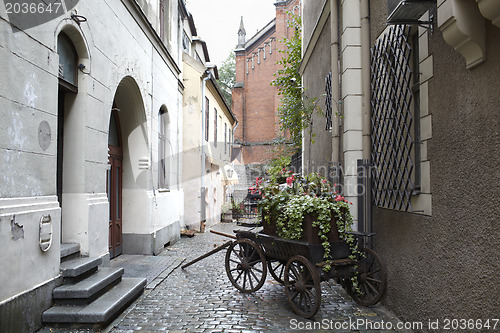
(416, 109)
(91, 142)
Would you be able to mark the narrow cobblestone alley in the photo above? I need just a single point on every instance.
(202, 299)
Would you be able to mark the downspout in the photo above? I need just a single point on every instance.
(203, 217)
(334, 48)
(155, 201)
(365, 78)
(234, 129)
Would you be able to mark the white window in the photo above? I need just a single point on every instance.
(163, 169)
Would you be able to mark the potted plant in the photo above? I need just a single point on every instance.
(236, 210)
(227, 213)
(308, 209)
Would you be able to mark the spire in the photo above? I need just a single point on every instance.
(241, 35)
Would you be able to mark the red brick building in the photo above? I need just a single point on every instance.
(254, 100)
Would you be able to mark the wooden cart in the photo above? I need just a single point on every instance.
(299, 266)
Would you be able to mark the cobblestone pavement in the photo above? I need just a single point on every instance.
(201, 298)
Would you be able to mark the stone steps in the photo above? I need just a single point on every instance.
(89, 294)
(87, 290)
(100, 311)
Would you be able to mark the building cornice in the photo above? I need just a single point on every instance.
(140, 17)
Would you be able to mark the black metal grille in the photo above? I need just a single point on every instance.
(296, 162)
(328, 102)
(391, 119)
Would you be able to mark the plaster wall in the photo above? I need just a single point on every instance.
(121, 55)
(317, 155)
(217, 151)
(444, 265)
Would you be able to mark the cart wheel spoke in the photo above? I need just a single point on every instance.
(254, 262)
(372, 280)
(254, 276)
(250, 279)
(276, 268)
(370, 286)
(295, 274)
(295, 294)
(246, 265)
(302, 279)
(373, 273)
(239, 275)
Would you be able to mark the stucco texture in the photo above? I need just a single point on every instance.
(316, 156)
(446, 265)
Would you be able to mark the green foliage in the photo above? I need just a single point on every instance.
(227, 77)
(287, 202)
(296, 109)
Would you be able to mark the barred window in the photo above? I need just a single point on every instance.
(395, 119)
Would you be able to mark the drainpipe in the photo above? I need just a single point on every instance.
(365, 77)
(234, 129)
(334, 48)
(207, 75)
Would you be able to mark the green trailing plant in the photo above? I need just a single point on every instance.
(296, 109)
(286, 203)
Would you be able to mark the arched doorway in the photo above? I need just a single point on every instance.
(129, 173)
(114, 184)
(69, 125)
(68, 88)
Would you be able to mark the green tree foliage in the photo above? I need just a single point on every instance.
(227, 77)
(296, 109)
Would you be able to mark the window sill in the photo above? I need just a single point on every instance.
(163, 190)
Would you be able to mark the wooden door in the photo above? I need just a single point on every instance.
(114, 187)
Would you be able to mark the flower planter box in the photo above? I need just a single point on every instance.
(227, 217)
(310, 234)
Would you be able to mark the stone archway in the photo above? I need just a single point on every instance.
(135, 174)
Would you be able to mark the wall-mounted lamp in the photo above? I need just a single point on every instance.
(81, 67)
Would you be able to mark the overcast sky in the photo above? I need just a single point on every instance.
(217, 22)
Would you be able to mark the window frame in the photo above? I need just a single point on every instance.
(215, 127)
(207, 118)
(63, 83)
(163, 182)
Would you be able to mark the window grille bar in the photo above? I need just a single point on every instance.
(391, 120)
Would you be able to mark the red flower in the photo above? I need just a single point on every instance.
(339, 198)
(324, 181)
(289, 181)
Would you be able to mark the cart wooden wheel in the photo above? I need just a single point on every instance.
(246, 265)
(372, 279)
(302, 286)
(277, 269)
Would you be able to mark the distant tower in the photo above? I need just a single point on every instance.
(241, 35)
